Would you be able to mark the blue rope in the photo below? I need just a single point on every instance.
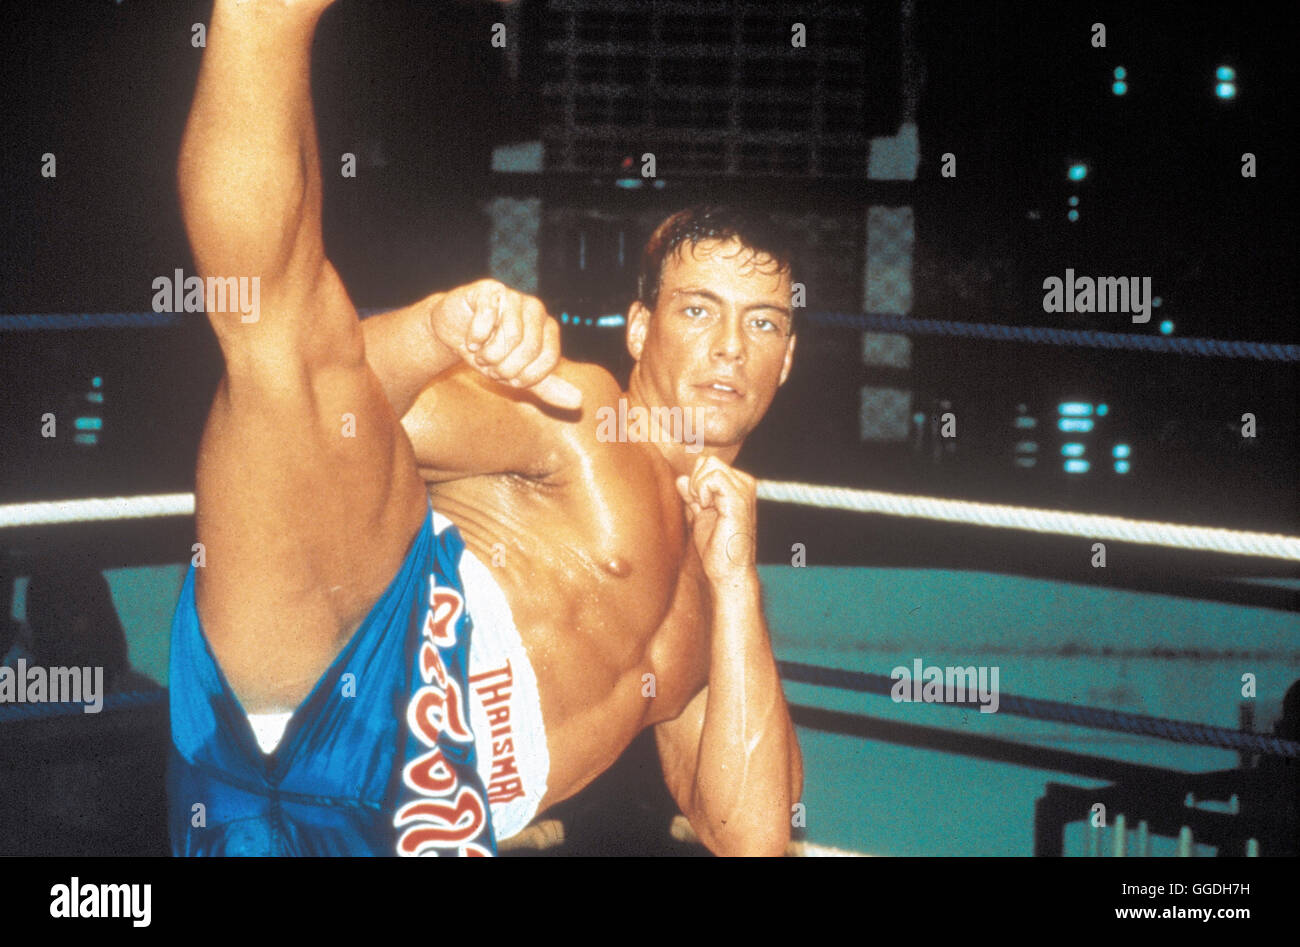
(1178, 731)
(1081, 338)
(91, 320)
(13, 713)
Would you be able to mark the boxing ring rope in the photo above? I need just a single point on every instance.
(1040, 335)
(1086, 525)
(95, 510)
(1080, 338)
(1098, 718)
(967, 512)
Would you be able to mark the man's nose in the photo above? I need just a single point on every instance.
(729, 340)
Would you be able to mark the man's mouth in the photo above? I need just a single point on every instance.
(721, 391)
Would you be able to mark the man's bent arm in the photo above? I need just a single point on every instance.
(731, 759)
(750, 769)
(404, 353)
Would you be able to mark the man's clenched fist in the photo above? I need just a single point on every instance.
(507, 336)
(722, 508)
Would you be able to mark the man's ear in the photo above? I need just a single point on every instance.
(638, 324)
(789, 359)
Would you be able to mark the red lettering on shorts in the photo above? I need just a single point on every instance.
(495, 672)
(440, 824)
(445, 606)
(432, 670)
(498, 717)
(430, 774)
(434, 710)
(496, 693)
(505, 791)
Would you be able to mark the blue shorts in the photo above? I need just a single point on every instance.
(378, 760)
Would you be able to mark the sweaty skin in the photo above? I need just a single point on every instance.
(595, 557)
(619, 560)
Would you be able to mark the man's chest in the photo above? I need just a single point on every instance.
(679, 651)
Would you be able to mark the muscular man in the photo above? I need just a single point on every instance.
(412, 637)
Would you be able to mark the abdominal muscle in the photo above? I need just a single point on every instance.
(590, 614)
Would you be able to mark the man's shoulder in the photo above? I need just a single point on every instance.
(597, 385)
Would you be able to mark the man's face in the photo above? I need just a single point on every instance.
(722, 320)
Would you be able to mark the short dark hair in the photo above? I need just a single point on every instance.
(756, 232)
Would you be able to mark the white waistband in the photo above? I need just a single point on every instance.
(514, 760)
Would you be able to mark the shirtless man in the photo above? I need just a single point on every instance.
(411, 637)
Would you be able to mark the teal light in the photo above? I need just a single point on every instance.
(1120, 450)
(96, 382)
(615, 320)
(1119, 88)
(1082, 425)
(1121, 72)
(88, 424)
(1225, 90)
(1167, 327)
(1027, 447)
(918, 418)
(1078, 171)
(1121, 466)
(1076, 466)
(1072, 449)
(1072, 216)
(95, 397)
(1026, 461)
(1074, 409)
(1103, 410)
(1225, 73)
(1155, 302)
(587, 322)
(628, 183)
(1026, 422)
(90, 439)
(1074, 200)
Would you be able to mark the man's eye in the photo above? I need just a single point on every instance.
(766, 325)
(693, 310)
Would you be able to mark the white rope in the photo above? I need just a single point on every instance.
(1086, 525)
(1089, 526)
(52, 512)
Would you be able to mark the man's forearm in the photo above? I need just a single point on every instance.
(748, 754)
(404, 353)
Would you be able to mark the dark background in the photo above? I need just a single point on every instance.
(1015, 91)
